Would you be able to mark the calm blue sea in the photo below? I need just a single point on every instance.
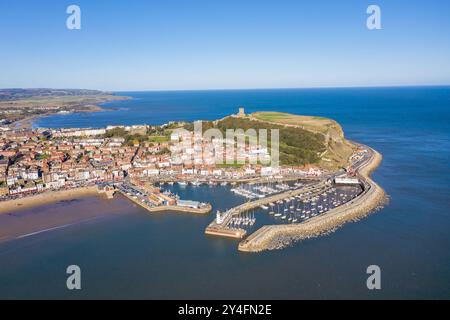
(167, 256)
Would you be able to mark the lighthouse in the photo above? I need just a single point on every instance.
(220, 217)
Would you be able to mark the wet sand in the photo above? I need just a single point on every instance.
(61, 214)
(45, 198)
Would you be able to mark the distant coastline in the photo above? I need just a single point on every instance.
(19, 108)
(27, 123)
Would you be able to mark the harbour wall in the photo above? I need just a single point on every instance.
(202, 210)
(225, 231)
(279, 236)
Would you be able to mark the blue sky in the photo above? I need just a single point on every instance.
(223, 44)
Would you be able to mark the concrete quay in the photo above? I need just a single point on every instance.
(234, 233)
(202, 210)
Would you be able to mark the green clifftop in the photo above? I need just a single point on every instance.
(337, 149)
(303, 139)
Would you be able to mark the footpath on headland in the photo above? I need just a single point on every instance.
(279, 236)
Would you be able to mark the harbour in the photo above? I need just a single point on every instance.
(298, 204)
(372, 196)
(156, 201)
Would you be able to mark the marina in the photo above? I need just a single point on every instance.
(340, 209)
(227, 220)
(258, 191)
(296, 209)
(290, 207)
(296, 203)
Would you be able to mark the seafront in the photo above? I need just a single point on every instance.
(44, 198)
(279, 236)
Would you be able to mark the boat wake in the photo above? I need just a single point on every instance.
(55, 228)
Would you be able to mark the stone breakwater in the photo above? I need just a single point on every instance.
(280, 236)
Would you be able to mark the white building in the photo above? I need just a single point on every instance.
(346, 180)
(151, 172)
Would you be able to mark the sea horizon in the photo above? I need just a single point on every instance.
(158, 107)
(248, 151)
(381, 86)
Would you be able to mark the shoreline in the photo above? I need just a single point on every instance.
(71, 209)
(268, 237)
(27, 122)
(45, 198)
(273, 237)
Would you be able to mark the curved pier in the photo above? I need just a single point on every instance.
(279, 236)
(224, 230)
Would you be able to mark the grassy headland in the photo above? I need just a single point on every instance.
(336, 149)
(303, 139)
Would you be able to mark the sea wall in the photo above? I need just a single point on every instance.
(279, 236)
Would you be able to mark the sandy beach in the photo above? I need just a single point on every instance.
(59, 211)
(45, 198)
